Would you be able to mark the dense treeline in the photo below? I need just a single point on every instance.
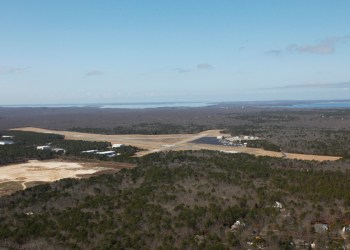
(27, 138)
(298, 140)
(182, 200)
(19, 153)
(264, 144)
(146, 128)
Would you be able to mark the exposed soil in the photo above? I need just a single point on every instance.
(20, 176)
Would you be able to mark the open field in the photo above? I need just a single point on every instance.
(175, 142)
(20, 176)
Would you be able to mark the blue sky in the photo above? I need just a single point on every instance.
(148, 51)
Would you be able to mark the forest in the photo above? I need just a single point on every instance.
(185, 200)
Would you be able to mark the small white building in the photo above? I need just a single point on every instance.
(321, 227)
(6, 142)
(93, 151)
(58, 150)
(43, 147)
(278, 205)
(117, 145)
(346, 229)
(107, 153)
(237, 225)
(7, 136)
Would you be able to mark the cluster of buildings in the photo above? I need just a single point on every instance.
(109, 153)
(236, 141)
(238, 138)
(6, 140)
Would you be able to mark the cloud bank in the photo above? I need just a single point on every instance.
(319, 85)
(6, 70)
(324, 47)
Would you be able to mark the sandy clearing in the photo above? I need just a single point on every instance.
(48, 171)
(156, 143)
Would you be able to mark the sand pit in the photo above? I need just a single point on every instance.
(48, 171)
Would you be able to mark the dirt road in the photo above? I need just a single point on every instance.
(156, 143)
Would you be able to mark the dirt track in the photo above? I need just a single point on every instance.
(156, 143)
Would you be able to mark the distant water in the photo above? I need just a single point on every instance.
(156, 105)
(119, 105)
(45, 106)
(150, 105)
(320, 105)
